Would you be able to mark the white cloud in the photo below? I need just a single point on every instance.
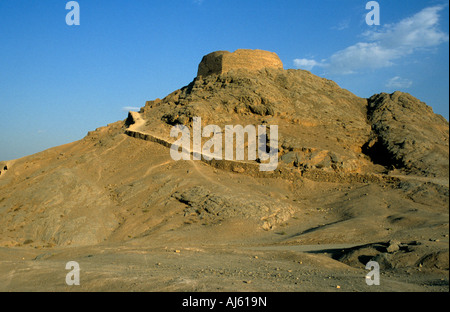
(398, 83)
(360, 56)
(307, 64)
(419, 31)
(130, 108)
(392, 42)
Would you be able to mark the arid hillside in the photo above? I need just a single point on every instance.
(356, 179)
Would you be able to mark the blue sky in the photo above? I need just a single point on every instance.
(57, 82)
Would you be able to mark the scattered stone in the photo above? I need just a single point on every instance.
(394, 246)
(384, 261)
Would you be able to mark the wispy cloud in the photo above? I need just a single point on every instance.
(419, 31)
(342, 25)
(307, 64)
(392, 42)
(130, 108)
(398, 83)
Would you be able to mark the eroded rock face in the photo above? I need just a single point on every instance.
(408, 134)
(221, 62)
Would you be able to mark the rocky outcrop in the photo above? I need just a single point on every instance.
(221, 62)
(206, 205)
(408, 134)
(3, 167)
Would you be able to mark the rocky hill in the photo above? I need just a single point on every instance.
(365, 177)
